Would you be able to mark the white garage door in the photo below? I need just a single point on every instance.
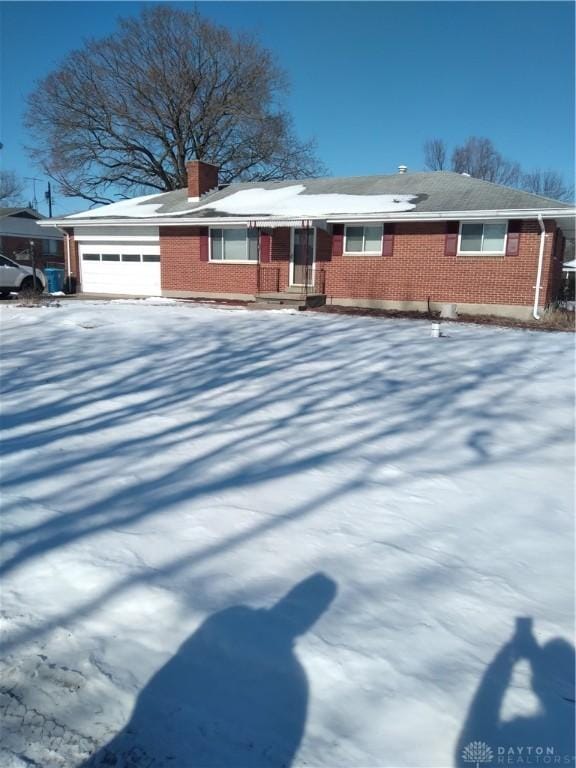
(120, 268)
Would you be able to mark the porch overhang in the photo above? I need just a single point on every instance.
(228, 221)
(279, 223)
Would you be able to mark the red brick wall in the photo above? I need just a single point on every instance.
(555, 271)
(74, 257)
(416, 271)
(182, 269)
(202, 177)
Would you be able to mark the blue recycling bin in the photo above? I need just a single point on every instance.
(54, 279)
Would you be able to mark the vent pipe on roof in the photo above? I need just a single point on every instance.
(402, 168)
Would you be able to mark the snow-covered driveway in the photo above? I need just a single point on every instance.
(262, 539)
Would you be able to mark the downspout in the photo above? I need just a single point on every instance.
(67, 254)
(535, 314)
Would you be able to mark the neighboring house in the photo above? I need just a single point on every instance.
(402, 241)
(20, 234)
(567, 291)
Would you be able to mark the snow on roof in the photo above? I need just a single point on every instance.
(285, 201)
(290, 201)
(435, 192)
(569, 266)
(135, 207)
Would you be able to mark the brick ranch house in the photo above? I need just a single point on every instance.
(401, 241)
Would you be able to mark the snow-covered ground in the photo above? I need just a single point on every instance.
(236, 538)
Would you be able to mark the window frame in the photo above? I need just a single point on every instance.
(481, 252)
(50, 246)
(363, 252)
(232, 261)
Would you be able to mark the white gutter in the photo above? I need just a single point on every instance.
(155, 222)
(535, 314)
(178, 221)
(553, 213)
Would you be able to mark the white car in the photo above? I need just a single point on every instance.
(16, 277)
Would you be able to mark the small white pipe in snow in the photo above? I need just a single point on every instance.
(539, 272)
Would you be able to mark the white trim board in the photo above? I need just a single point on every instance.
(118, 234)
(428, 216)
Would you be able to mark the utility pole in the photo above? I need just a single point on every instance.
(48, 197)
(33, 257)
(33, 179)
(47, 194)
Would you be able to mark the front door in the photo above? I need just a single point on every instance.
(303, 257)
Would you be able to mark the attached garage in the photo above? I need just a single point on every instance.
(114, 269)
(120, 262)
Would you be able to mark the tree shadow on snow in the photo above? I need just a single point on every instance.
(152, 426)
(548, 734)
(234, 694)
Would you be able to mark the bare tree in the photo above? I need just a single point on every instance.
(548, 184)
(435, 154)
(11, 188)
(126, 112)
(479, 157)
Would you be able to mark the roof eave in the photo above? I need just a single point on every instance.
(550, 213)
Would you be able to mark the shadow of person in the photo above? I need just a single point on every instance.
(551, 729)
(233, 696)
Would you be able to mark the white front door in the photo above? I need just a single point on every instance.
(303, 253)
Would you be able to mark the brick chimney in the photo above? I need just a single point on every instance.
(202, 177)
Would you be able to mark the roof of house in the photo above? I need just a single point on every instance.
(30, 213)
(401, 193)
(25, 223)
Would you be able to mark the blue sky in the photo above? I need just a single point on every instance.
(371, 81)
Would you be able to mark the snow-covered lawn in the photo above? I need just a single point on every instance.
(237, 538)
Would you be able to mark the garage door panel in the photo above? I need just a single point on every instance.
(104, 271)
